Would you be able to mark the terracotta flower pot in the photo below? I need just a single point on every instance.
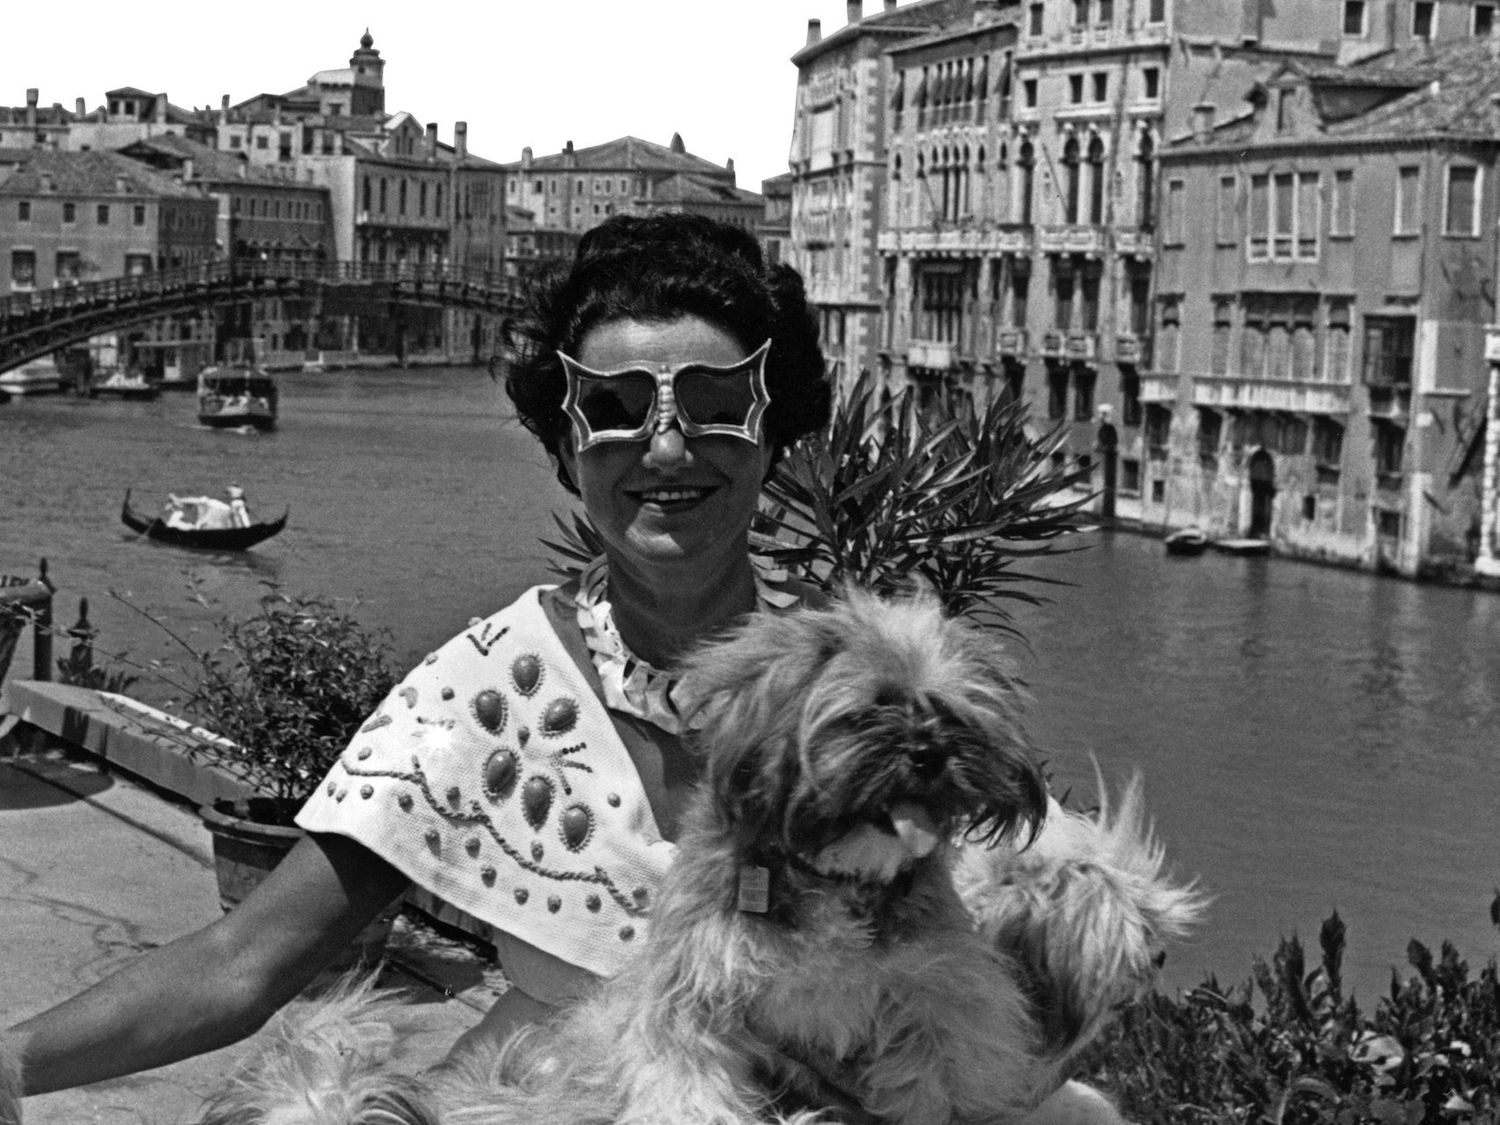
(247, 846)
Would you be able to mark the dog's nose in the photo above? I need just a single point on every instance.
(927, 758)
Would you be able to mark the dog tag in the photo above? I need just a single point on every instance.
(755, 890)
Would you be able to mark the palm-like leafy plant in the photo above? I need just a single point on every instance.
(890, 494)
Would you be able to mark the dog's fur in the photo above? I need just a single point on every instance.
(913, 951)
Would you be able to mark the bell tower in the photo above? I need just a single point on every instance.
(369, 78)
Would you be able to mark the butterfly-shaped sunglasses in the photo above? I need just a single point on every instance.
(639, 399)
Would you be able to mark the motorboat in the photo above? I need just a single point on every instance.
(34, 377)
(230, 397)
(126, 384)
(1246, 547)
(1186, 542)
(212, 539)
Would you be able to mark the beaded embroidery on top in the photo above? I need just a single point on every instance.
(631, 684)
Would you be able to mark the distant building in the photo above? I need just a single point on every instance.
(70, 217)
(577, 189)
(33, 125)
(131, 114)
(1329, 254)
(775, 229)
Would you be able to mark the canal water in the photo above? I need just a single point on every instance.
(1310, 739)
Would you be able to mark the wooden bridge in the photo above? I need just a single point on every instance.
(36, 323)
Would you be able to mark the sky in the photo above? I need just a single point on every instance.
(520, 72)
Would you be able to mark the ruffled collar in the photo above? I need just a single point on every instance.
(632, 685)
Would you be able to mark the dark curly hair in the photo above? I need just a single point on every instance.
(660, 268)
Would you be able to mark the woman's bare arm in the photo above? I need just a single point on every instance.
(215, 986)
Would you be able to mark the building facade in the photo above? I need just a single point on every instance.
(1324, 383)
(980, 208)
(573, 191)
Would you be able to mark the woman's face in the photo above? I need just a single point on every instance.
(667, 499)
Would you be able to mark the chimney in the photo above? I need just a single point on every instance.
(1203, 122)
(677, 146)
(890, 5)
(32, 96)
(729, 167)
(526, 157)
(223, 109)
(432, 140)
(187, 170)
(161, 108)
(80, 108)
(985, 11)
(855, 9)
(244, 169)
(461, 140)
(122, 185)
(814, 31)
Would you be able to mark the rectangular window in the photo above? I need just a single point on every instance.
(1258, 245)
(1105, 12)
(1341, 220)
(1461, 205)
(1218, 363)
(1174, 222)
(1484, 20)
(1421, 19)
(138, 215)
(1309, 210)
(1075, 89)
(1028, 90)
(1210, 433)
(1057, 391)
(1151, 82)
(1083, 393)
(102, 215)
(1408, 200)
(1101, 85)
(1156, 11)
(1282, 203)
(1169, 337)
(1158, 428)
(1130, 395)
(67, 267)
(1354, 19)
(70, 212)
(1327, 443)
(1130, 475)
(23, 269)
(1080, 11)
(1336, 349)
(1035, 15)
(137, 264)
(1225, 220)
(1388, 350)
(1390, 443)
(23, 211)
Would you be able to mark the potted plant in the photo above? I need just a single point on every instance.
(275, 701)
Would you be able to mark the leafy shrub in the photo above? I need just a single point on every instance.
(286, 689)
(1305, 1053)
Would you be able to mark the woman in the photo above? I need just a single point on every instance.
(665, 371)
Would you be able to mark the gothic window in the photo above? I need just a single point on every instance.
(1145, 178)
(1096, 181)
(1026, 174)
(1070, 180)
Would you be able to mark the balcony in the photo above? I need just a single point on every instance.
(1135, 242)
(1010, 238)
(1130, 348)
(1010, 341)
(1157, 387)
(1071, 239)
(1228, 392)
(1081, 347)
(929, 353)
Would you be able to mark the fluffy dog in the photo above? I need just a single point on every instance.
(853, 906)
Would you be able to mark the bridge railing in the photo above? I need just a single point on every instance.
(223, 274)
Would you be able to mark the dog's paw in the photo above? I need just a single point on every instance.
(326, 1061)
(1085, 912)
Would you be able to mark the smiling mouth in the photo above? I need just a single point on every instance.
(678, 495)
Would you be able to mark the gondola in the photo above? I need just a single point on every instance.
(211, 539)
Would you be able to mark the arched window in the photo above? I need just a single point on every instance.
(1071, 172)
(382, 196)
(1145, 182)
(1096, 181)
